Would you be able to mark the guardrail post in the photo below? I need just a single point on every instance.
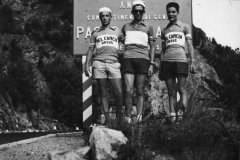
(86, 97)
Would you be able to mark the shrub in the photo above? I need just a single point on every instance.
(7, 24)
(64, 81)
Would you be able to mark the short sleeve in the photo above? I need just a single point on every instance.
(118, 31)
(93, 39)
(187, 32)
(150, 33)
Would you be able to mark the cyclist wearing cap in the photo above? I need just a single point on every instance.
(138, 57)
(105, 61)
(175, 63)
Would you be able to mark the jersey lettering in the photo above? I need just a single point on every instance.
(107, 40)
(175, 38)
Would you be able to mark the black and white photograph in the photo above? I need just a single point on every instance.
(119, 80)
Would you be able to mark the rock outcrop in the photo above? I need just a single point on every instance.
(156, 91)
(77, 154)
(105, 143)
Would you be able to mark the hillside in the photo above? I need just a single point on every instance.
(40, 81)
(225, 62)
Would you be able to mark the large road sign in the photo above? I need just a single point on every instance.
(86, 18)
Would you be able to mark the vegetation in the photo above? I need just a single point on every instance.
(207, 133)
(38, 72)
(16, 76)
(226, 63)
(204, 135)
(64, 82)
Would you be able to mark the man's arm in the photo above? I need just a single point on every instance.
(191, 54)
(152, 54)
(88, 60)
(121, 37)
(89, 55)
(151, 51)
(190, 48)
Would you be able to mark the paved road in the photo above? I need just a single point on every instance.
(13, 137)
(38, 148)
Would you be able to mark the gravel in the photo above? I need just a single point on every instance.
(38, 148)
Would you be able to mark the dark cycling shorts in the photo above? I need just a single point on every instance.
(173, 69)
(135, 65)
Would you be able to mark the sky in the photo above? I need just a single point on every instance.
(219, 19)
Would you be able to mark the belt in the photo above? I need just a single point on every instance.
(108, 61)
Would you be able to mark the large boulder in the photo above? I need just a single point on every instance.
(105, 143)
(78, 154)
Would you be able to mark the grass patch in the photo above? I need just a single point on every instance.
(202, 136)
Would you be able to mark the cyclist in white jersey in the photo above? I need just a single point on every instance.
(138, 58)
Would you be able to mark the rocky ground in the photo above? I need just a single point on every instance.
(38, 148)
